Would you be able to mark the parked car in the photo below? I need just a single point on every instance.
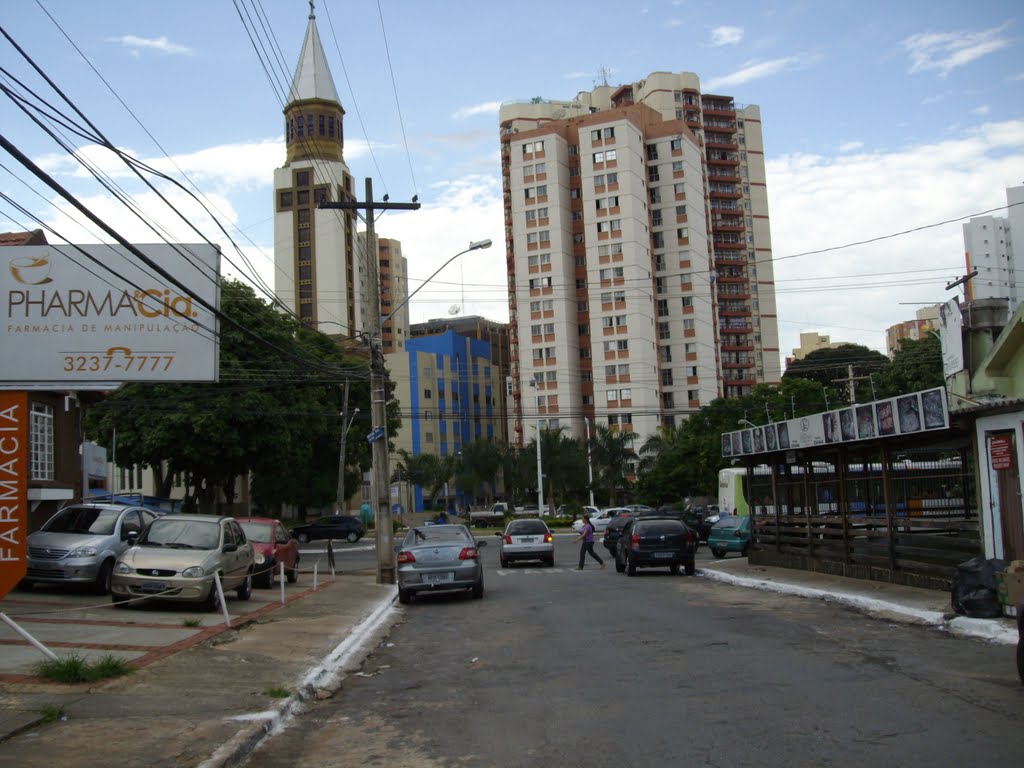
(640, 509)
(80, 544)
(601, 519)
(730, 534)
(656, 542)
(613, 531)
(272, 545)
(345, 527)
(526, 540)
(176, 557)
(493, 515)
(694, 517)
(439, 558)
(530, 510)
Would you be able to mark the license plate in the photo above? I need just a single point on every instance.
(153, 586)
(438, 578)
(527, 539)
(664, 554)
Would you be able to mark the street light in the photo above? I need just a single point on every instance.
(590, 468)
(748, 423)
(540, 475)
(474, 246)
(341, 457)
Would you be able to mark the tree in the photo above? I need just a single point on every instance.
(831, 369)
(477, 468)
(563, 462)
(916, 365)
(269, 414)
(611, 454)
(427, 470)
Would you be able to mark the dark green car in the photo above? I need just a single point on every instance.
(730, 534)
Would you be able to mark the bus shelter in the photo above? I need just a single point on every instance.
(853, 492)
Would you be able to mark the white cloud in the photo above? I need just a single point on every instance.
(138, 44)
(487, 108)
(850, 146)
(945, 51)
(726, 35)
(936, 98)
(984, 109)
(817, 202)
(753, 71)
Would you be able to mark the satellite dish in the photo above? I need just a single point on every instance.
(454, 309)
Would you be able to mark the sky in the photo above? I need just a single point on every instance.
(878, 118)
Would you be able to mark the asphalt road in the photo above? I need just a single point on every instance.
(556, 667)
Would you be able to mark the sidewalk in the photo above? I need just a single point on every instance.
(211, 704)
(208, 704)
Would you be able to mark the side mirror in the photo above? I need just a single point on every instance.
(397, 547)
(131, 537)
(498, 534)
(483, 543)
(232, 547)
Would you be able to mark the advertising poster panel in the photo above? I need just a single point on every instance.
(93, 315)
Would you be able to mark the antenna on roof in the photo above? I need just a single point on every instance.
(602, 74)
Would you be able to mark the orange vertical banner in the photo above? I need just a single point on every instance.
(13, 488)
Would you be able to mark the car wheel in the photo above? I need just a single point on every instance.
(24, 586)
(265, 578)
(119, 601)
(674, 568)
(719, 553)
(212, 601)
(691, 568)
(293, 574)
(102, 585)
(303, 538)
(550, 562)
(745, 550)
(630, 566)
(352, 537)
(478, 589)
(404, 596)
(244, 590)
(504, 563)
(620, 565)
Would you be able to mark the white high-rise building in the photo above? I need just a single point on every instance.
(639, 255)
(988, 248)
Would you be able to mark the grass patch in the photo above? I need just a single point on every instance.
(192, 622)
(53, 712)
(277, 693)
(75, 669)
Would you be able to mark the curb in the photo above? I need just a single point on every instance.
(324, 677)
(983, 629)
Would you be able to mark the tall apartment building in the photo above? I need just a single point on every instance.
(639, 255)
(988, 248)
(393, 271)
(315, 251)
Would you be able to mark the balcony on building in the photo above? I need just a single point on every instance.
(719, 106)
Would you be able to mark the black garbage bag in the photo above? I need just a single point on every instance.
(974, 588)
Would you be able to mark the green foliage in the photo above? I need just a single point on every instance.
(610, 452)
(269, 414)
(191, 622)
(830, 368)
(76, 669)
(277, 692)
(53, 712)
(916, 365)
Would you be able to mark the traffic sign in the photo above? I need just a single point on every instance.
(375, 434)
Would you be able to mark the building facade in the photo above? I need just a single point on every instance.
(988, 248)
(639, 255)
(317, 270)
(450, 394)
(926, 321)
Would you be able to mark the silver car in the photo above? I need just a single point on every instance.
(526, 540)
(176, 557)
(80, 544)
(439, 558)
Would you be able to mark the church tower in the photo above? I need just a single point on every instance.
(316, 269)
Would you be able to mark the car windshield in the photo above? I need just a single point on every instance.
(521, 527)
(260, 532)
(94, 520)
(729, 522)
(182, 534)
(435, 534)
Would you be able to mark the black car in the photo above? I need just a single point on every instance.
(331, 527)
(613, 532)
(656, 542)
(693, 517)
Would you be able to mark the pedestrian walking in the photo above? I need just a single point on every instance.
(587, 537)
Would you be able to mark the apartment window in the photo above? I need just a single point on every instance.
(574, 149)
(599, 180)
(551, 377)
(535, 330)
(652, 174)
(613, 395)
(598, 157)
(659, 262)
(540, 282)
(545, 258)
(610, 272)
(679, 188)
(658, 240)
(652, 152)
(688, 324)
(613, 178)
(663, 331)
(574, 194)
(666, 378)
(549, 353)
(690, 348)
(549, 328)
(533, 146)
(531, 216)
(659, 285)
(654, 194)
(285, 200)
(41, 450)
(538, 354)
(581, 306)
(680, 210)
(676, 144)
(302, 178)
(619, 296)
(687, 301)
(677, 166)
(692, 394)
(609, 155)
(662, 307)
(666, 354)
(622, 345)
(534, 305)
(691, 370)
(683, 232)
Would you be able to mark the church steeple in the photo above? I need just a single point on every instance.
(313, 115)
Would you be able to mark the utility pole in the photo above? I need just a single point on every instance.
(851, 381)
(386, 573)
(346, 423)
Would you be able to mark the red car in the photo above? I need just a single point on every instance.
(271, 545)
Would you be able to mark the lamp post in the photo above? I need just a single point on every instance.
(474, 246)
(590, 468)
(540, 475)
(341, 497)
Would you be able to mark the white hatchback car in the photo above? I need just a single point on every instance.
(526, 540)
(601, 519)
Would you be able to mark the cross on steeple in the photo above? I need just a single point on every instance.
(312, 10)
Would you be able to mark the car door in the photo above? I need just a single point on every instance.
(284, 549)
(234, 564)
(131, 523)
